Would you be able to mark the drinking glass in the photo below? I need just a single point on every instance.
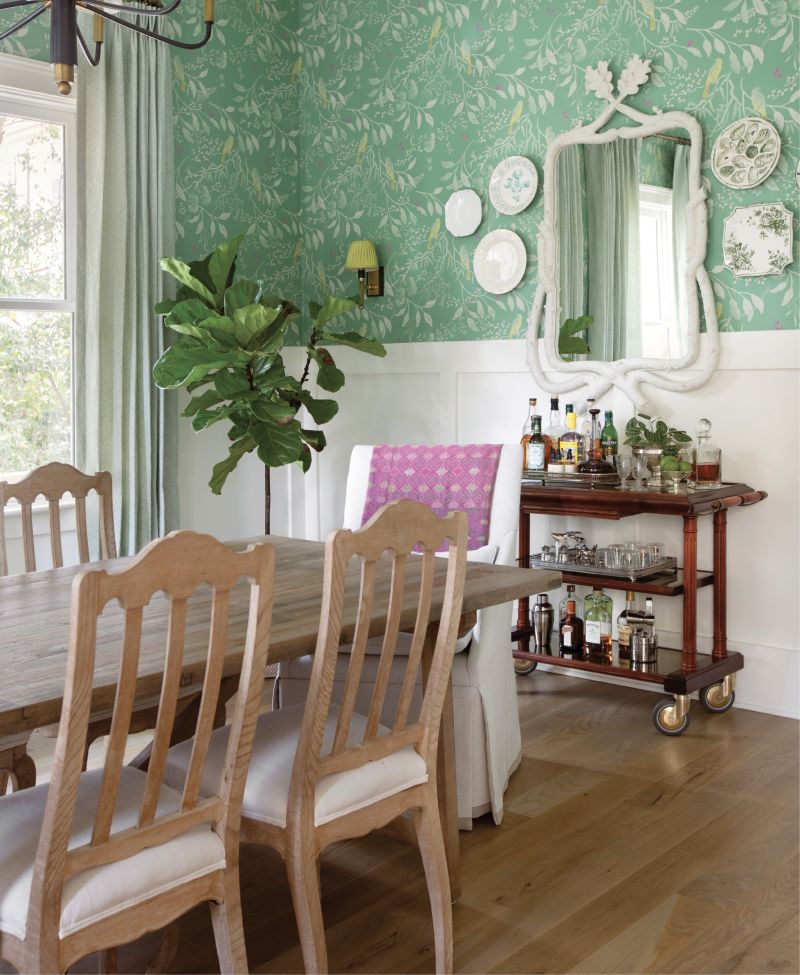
(640, 472)
(624, 468)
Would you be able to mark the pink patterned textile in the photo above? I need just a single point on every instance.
(452, 477)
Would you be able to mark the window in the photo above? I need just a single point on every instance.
(657, 268)
(37, 269)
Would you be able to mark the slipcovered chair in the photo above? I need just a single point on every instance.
(487, 730)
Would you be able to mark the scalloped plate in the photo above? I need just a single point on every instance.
(758, 240)
(463, 213)
(746, 153)
(513, 185)
(500, 261)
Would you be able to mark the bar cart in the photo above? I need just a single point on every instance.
(682, 670)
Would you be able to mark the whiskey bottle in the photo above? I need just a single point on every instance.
(570, 633)
(706, 459)
(609, 441)
(571, 442)
(562, 606)
(626, 621)
(535, 447)
(527, 432)
(552, 432)
(597, 609)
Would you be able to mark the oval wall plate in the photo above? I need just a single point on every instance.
(513, 185)
(745, 153)
(463, 213)
(500, 261)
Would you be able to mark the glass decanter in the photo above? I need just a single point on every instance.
(706, 460)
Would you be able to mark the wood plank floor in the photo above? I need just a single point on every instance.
(620, 851)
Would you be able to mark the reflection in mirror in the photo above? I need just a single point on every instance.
(620, 232)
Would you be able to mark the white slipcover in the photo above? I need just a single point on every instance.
(266, 792)
(486, 719)
(101, 891)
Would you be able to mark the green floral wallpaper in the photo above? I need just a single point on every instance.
(307, 124)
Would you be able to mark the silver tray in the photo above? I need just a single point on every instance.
(661, 567)
(575, 480)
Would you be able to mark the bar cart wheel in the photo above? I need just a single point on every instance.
(718, 698)
(524, 667)
(672, 717)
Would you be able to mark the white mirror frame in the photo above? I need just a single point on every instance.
(697, 365)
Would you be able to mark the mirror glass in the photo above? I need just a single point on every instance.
(620, 234)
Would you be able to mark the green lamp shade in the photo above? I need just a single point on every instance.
(361, 256)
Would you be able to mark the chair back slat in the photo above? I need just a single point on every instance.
(27, 537)
(384, 545)
(417, 642)
(176, 566)
(209, 697)
(167, 707)
(357, 653)
(55, 533)
(120, 724)
(52, 482)
(82, 529)
(389, 646)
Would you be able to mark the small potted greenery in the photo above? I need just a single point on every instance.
(659, 443)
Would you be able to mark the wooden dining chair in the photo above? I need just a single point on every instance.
(321, 773)
(51, 482)
(95, 860)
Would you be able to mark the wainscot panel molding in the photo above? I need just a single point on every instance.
(478, 391)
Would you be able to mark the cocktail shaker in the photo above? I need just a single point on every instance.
(542, 623)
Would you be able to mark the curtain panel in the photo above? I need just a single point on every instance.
(126, 223)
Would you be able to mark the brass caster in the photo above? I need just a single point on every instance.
(524, 667)
(718, 698)
(672, 717)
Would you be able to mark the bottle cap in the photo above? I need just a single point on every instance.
(532, 401)
(553, 402)
(609, 415)
(568, 409)
(597, 588)
(571, 606)
(629, 595)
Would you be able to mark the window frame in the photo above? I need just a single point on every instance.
(27, 90)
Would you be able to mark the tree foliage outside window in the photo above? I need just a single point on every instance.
(35, 342)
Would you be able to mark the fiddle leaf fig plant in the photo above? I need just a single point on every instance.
(646, 431)
(570, 341)
(227, 355)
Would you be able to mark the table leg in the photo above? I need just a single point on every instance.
(523, 606)
(689, 663)
(446, 770)
(720, 585)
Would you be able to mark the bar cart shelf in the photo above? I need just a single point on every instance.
(680, 671)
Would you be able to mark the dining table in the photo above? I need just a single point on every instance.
(35, 624)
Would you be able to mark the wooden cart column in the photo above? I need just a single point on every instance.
(523, 606)
(689, 663)
(720, 585)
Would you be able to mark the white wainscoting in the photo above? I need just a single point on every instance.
(478, 391)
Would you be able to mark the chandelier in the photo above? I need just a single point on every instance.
(66, 35)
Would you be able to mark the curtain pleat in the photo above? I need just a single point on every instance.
(612, 197)
(570, 232)
(126, 223)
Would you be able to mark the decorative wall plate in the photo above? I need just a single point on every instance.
(500, 261)
(463, 212)
(746, 153)
(758, 240)
(513, 185)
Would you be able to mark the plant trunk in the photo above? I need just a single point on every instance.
(267, 499)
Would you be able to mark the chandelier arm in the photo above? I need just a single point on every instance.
(24, 20)
(106, 4)
(150, 33)
(94, 61)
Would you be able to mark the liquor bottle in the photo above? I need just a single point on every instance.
(527, 433)
(648, 618)
(626, 621)
(609, 441)
(562, 606)
(595, 464)
(585, 428)
(570, 633)
(553, 431)
(706, 459)
(597, 609)
(571, 443)
(535, 447)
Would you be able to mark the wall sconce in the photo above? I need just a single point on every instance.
(362, 257)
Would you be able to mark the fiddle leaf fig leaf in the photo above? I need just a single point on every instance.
(240, 295)
(222, 264)
(332, 307)
(222, 469)
(572, 326)
(182, 273)
(304, 460)
(320, 410)
(278, 445)
(231, 384)
(571, 345)
(355, 341)
(314, 438)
